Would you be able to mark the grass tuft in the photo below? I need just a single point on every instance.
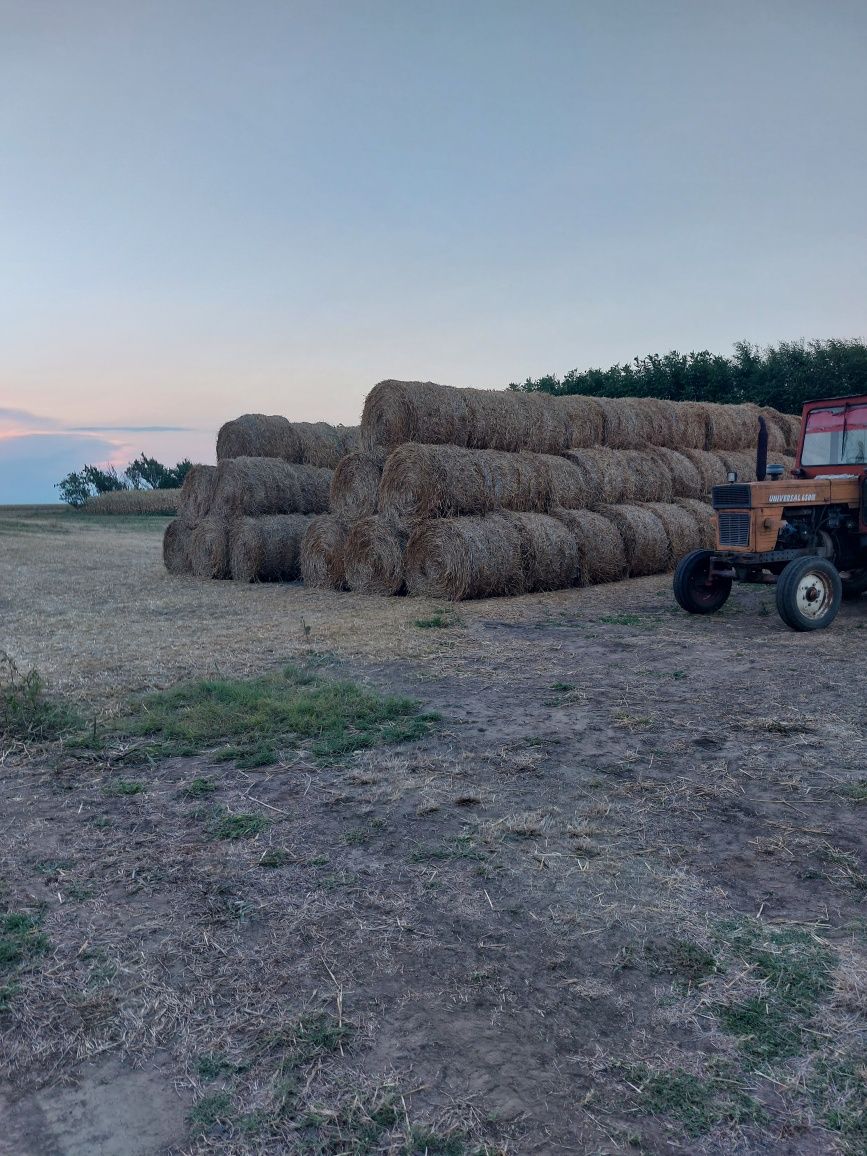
(26, 713)
(252, 721)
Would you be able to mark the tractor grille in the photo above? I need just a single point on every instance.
(734, 529)
(732, 496)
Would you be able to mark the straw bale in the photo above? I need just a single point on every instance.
(732, 427)
(255, 486)
(601, 556)
(197, 493)
(644, 538)
(705, 521)
(660, 421)
(321, 444)
(691, 425)
(624, 425)
(686, 481)
(374, 556)
(424, 481)
(459, 558)
(712, 469)
(775, 425)
(791, 426)
(549, 553)
(267, 549)
(405, 411)
(257, 435)
(605, 479)
(681, 529)
(585, 421)
(322, 559)
(177, 554)
(647, 476)
(209, 548)
(355, 484)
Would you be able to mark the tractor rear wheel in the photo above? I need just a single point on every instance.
(695, 590)
(809, 592)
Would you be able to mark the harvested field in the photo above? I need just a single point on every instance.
(613, 900)
(131, 502)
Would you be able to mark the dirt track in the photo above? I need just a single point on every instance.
(509, 923)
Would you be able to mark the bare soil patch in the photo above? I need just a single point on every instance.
(616, 901)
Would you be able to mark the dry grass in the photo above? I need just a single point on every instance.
(131, 502)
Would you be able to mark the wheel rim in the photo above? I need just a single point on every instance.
(703, 588)
(814, 595)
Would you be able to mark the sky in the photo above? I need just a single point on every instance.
(210, 207)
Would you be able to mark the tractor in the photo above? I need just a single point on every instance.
(806, 532)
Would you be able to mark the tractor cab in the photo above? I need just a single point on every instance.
(806, 532)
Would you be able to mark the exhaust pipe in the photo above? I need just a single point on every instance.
(762, 452)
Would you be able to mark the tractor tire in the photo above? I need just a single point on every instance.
(854, 587)
(693, 591)
(809, 593)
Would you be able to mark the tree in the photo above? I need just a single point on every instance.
(142, 474)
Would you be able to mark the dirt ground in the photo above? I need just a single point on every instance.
(615, 902)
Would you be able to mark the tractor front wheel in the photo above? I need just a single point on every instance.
(696, 590)
(809, 592)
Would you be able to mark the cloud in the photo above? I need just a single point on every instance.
(36, 452)
(30, 464)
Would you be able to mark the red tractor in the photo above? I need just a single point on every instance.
(807, 532)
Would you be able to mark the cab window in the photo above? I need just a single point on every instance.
(823, 437)
(855, 435)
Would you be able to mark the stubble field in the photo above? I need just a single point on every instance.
(609, 894)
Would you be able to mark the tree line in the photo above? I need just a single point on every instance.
(142, 474)
(784, 375)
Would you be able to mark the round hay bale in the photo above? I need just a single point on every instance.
(691, 425)
(197, 493)
(323, 445)
(585, 422)
(257, 435)
(177, 555)
(374, 556)
(644, 538)
(405, 411)
(422, 481)
(323, 550)
(624, 425)
(774, 423)
(647, 477)
(732, 427)
(742, 462)
(660, 421)
(355, 484)
(705, 521)
(686, 481)
(549, 553)
(791, 426)
(267, 549)
(209, 548)
(601, 556)
(681, 529)
(605, 477)
(710, 466)
(459, 558)
(255, 486)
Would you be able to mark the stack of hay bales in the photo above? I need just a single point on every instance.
(466, 493)
(245, 518)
